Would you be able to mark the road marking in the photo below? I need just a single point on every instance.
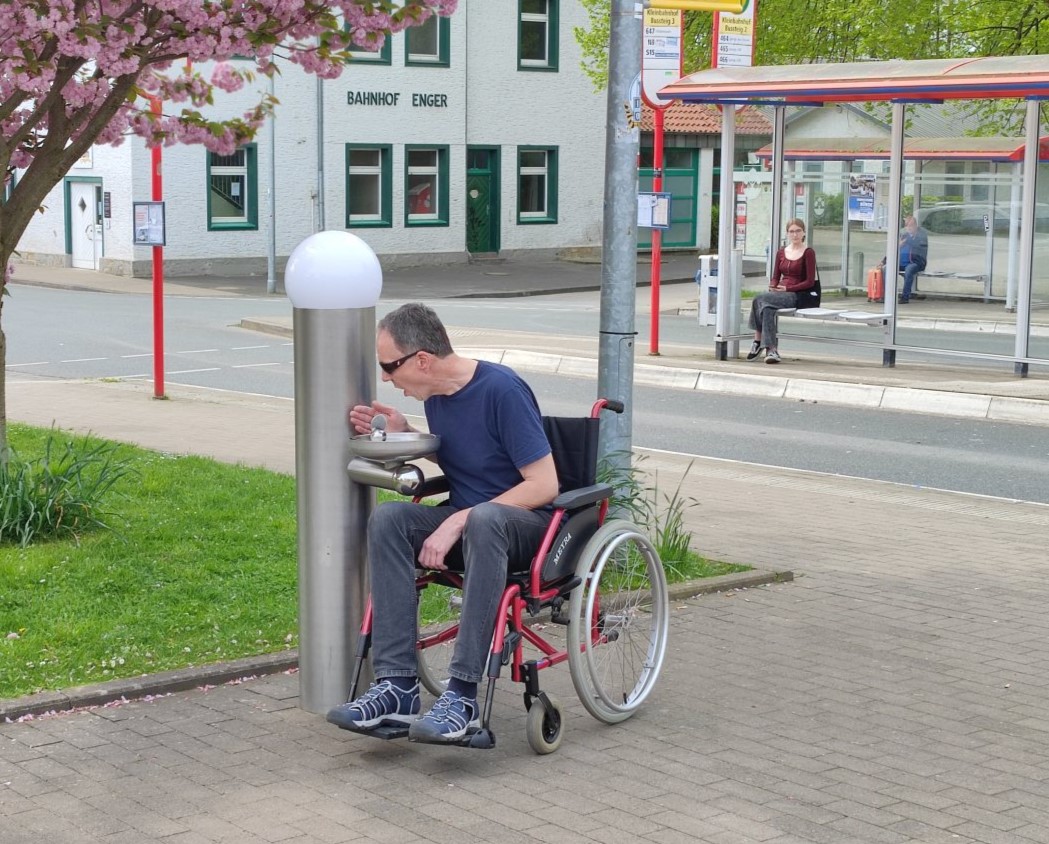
(194, 351)
(81, 360)
(34, 363)
(188, 371)
(143, 355)
(241, 348)
(249, 365)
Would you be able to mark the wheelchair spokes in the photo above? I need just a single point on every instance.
(619, 620)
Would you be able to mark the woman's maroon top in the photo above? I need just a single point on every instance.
(798, 274)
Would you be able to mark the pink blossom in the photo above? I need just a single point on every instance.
(99, 50)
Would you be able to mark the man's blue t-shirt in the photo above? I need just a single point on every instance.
(489, 430)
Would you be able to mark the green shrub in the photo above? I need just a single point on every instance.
(662, 517)
(59, 494)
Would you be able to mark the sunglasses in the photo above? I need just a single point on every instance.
(392, 366)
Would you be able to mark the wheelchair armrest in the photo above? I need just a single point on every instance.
(432, 486)
(574, 499)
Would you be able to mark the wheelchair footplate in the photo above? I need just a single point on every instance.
(382, 731)
(478, 738)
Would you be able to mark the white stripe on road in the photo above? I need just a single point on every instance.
(194, 351)
(81, 360)
(249, 365)
(188, 371)
(34, 363)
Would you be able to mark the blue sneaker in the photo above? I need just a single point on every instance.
(449, 720)
(383, 703)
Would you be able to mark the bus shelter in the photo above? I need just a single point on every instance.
(1005, 190)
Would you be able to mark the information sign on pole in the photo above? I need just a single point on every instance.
(734, 37)
(149, 224)
(653, 210)
(661, 53)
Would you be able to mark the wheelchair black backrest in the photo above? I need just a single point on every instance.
(573, 441)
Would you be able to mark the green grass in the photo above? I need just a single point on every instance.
(200, 566)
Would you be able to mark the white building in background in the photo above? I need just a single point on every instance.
(474, 134)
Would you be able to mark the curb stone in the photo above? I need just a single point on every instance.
(161, 683)
(184, 679)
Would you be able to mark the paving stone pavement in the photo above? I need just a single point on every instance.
(896, 691)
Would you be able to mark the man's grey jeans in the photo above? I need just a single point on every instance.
(496, 537)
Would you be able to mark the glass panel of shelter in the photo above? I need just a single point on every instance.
(970, 209)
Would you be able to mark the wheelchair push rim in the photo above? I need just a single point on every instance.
(619, 619)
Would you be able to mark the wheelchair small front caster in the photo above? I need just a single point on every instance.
(543, 727)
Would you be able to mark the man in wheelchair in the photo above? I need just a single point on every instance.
(497, 460)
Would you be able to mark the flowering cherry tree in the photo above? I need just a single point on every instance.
(79, 72)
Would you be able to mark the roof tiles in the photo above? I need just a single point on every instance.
(701, 119)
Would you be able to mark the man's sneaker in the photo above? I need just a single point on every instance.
(383, 703)
(755, 350)
(772, 357)
(449, 720)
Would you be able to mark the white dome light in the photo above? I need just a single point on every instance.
(333, 270)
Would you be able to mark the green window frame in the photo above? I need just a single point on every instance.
(369, 185)
(425, 185)
(384, 55)
(536, 185)
(233, 190)
(428, 44)
(537, 34)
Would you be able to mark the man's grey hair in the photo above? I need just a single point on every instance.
(416, 327)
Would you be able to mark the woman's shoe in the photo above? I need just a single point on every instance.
(755, 350)
(772, 356)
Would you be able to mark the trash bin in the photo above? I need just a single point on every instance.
(707, 279)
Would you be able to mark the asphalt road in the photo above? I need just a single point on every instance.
(70, 334)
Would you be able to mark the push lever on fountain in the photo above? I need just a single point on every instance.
(379, 426)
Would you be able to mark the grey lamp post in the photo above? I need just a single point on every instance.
(333, 280)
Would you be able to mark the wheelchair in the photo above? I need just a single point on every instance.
(601, 580)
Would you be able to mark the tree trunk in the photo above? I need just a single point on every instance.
(4, 454)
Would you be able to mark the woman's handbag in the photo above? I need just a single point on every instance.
(809, 298)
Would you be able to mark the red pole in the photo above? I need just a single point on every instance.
(657, 234)
(156, 158)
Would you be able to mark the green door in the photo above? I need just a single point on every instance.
(681, 180)
(482, 200)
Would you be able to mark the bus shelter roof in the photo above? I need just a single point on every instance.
(924, 149)
(989, 77)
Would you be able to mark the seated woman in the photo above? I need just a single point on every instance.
(793, 271)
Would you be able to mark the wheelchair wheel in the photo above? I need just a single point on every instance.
(618, 621)
(438, 627)
(544, 728)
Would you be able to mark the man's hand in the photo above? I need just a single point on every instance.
(361, 415)
(440, 542)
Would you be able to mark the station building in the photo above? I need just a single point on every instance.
(477, 134)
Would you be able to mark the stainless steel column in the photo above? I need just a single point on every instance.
(334, 369)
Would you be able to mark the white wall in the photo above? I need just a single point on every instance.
(489, 102)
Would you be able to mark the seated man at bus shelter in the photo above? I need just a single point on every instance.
(497, 460)
(914, 252)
